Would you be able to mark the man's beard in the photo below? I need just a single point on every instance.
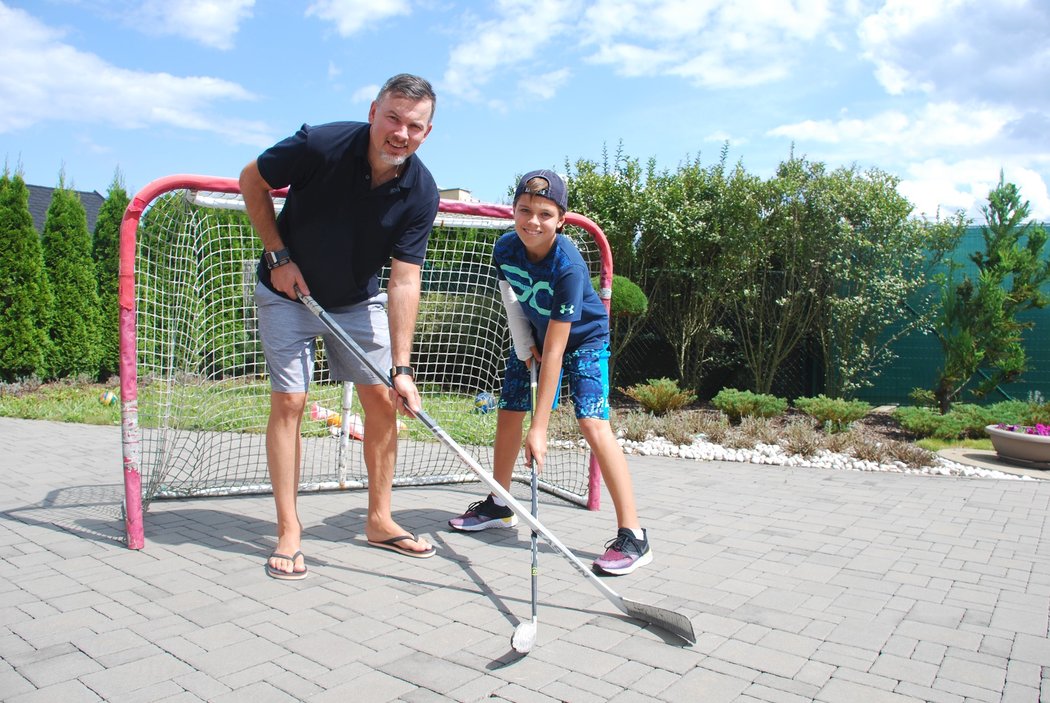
(391, 159)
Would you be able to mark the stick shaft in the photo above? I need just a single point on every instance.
(534, 483)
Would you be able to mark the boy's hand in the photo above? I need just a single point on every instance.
(536, 447)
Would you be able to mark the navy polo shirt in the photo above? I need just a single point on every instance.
(338, 229)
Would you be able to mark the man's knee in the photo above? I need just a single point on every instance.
(287, 405)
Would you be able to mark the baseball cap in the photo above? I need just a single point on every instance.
(555, 189)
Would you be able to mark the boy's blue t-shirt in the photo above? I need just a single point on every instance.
(555, 288)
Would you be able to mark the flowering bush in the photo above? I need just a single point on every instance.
(1039, 429)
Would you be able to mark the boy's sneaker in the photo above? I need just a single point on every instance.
(624, 554)
(483, 515)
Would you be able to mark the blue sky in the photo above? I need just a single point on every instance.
(941, 93)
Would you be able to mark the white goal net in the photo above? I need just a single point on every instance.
(194, 389)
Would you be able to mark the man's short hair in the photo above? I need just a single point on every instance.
(412, 87)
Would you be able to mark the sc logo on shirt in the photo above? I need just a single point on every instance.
(528, 292)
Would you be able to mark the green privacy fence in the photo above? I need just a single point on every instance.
(919, 355)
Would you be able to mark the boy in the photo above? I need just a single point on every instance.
(556, 318)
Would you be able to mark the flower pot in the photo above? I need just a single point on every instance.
(1018, 447)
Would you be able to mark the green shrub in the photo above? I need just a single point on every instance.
(628, 300)
(26, 300)
(964, 421)
(738, 404)
(834, 413)
(67, 257)
(105, 251)
(1035, 414)
(919, 421)
(659, 395)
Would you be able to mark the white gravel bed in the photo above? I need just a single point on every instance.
(774, 455)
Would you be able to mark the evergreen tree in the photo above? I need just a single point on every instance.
(67, 255)
(106, 255)
(978, 325)
(25, 295)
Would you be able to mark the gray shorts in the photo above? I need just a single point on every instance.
(289, 333)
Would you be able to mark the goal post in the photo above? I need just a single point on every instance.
(194, 392)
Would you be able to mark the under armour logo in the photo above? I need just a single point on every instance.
(566, 309)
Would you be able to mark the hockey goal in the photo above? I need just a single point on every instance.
(194, 390)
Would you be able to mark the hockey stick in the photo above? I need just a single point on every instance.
(675, 623)
(525, 633)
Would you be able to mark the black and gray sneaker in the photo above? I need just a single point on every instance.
(483, 515)
(624, 554)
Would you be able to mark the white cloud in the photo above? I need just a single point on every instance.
(948, 155)
(350, 16)
(544, 86)
(365, 94)
(513, 40)
(961, 48)
(713, 43)
(45, 80)
(934, 126)
(965, 184)
(213, 23)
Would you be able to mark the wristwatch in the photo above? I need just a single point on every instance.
(276, 258)
(402, 370)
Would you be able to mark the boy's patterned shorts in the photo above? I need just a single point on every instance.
(588, 371)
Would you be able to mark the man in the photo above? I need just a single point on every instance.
(357, 197)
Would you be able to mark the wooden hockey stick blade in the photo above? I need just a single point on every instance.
(670, 621)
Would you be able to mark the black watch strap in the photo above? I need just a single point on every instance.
(402, 370)
(276, 258)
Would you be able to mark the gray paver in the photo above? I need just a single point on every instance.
(802, 584)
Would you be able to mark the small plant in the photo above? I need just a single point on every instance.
(840, 443)
(909, 454)
(760, 429)
(834, 413)
(800, 438)
(659, 395)
(714, 428)
(923, 398)
(867, 450)
(675, 431)
(738, 404)
(634, 426)
(736, 438)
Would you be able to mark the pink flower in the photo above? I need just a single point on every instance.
(1039, 429)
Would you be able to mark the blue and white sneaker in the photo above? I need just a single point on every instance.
(624, 554)
(484, 515)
